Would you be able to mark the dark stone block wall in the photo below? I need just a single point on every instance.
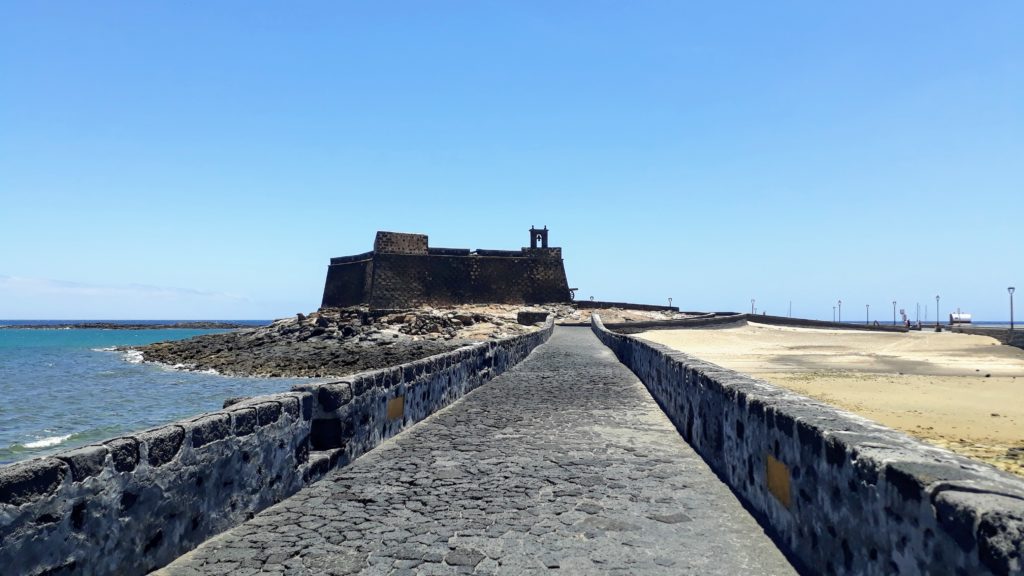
(347, 283)
(132, 504)
(403, 271)
(592, 304)
(842, 494)
(400, 243)
(1003, 335)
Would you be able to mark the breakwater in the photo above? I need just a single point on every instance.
(592, 304)
(1003, 335)
(842, 494)
(723, 319)
(132, 504)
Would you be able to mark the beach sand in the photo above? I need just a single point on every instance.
(958, 391)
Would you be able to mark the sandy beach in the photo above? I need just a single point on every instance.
(957, 391)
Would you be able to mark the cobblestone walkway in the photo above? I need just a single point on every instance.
(563, 463)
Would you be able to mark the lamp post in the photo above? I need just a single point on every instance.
(670, 302)
(936, 312)
(751, 306)
(893, 312)
(867, 314)
(840, 318)
(1010, 290)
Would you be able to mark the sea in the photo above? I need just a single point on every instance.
(62, 388)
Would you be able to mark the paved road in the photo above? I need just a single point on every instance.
(564, 462)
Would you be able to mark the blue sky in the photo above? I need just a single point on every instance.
(204, 160)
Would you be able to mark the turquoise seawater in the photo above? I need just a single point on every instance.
(65, 388)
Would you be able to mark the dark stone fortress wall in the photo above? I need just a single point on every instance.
(348, 279)
(403, 271)
(401, 280)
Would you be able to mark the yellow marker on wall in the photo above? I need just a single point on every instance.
(778, 479)
(396, 407)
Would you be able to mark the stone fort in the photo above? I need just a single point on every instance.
(403, 270)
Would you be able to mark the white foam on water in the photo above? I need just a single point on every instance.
(47, 442)
(107, 349)
(133, 356)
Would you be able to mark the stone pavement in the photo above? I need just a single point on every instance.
(562, 463)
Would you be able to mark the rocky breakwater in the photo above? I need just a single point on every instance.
(339, 341)
(197, 325)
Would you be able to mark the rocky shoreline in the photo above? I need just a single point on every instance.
(335, 342)
(338, 341)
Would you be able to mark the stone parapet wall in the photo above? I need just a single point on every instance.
(840, 493)
(136, 502)
(355, 414)
(132, 504)
(679, 323)
(400, 243)
(721, 319)
(352, 258)
(592, 304)
(808, 323)
(1004, 335)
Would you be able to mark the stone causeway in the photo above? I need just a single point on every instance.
(563, 462)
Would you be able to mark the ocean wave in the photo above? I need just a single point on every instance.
(185, 367)
(47, 442)
(133, 356)
(106, 349)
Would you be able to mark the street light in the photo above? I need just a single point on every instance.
(840, 311)
(1010, 290)
(751, 306)
(936, 312)
(867, 314)
(893, 312)
(670, 302)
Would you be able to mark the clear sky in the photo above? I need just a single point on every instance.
(206, 159)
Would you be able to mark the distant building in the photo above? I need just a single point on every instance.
(404, 271)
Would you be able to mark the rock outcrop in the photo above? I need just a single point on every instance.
(338, 341)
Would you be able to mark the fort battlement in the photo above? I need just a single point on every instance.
(403, 270)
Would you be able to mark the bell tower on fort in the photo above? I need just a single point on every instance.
(538, 236)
